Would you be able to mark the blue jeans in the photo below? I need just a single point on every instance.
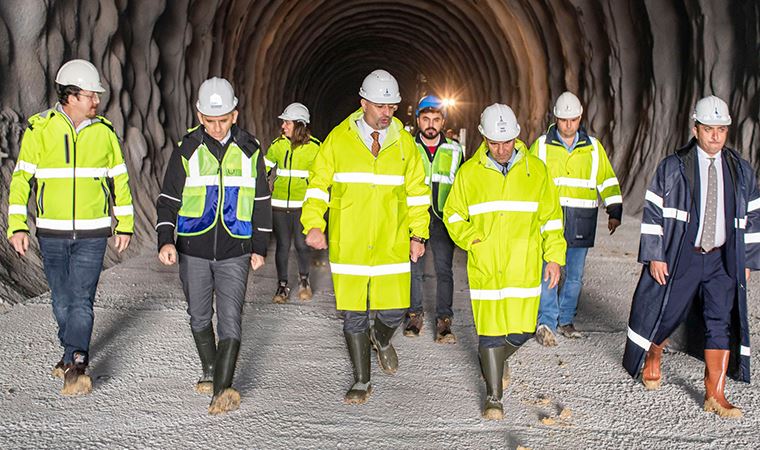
(72, 268)
(561, 308)
(443, 255)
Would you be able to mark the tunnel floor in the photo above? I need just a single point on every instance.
(294, 369)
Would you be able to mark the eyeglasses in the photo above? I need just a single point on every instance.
(381, 106)
(94, 96)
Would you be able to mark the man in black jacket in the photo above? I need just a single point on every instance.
(216, 197)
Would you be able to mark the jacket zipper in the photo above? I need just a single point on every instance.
(66, 145)
(40, 203)
(290, 178)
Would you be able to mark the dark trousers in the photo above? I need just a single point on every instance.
(443, 255)
(202, 278)
(705, 275)
(287, 227)
(358, 321)
(72, 268)
(516, 340)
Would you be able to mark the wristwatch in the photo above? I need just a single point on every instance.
(418, 239)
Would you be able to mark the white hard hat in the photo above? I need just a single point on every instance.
(498, 123)
(712, 111)
(79, 73)
(380, 87)
(567, 106)
(295, 112)
(216, 97)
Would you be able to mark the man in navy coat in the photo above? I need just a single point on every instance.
(700, 237)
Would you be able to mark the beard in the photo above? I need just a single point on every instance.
(430, 133)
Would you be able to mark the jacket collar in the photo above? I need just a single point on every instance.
(553, 137)
(394, 130)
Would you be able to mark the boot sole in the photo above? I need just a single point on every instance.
(82, 386)
(279, 300)
(228, 400)
(57, 373)
(358, 400)
(305, 296)
(410, 333)
(448, 339)
(204, 387)
(652, 385)
(712, 405)
(493, 414)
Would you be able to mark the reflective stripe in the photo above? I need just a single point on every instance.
(286, 204)
(595, 161)
(578, 203)
(608, 183)
(258, 199)
(318, 194)
(17, 209)
(265, 230)
(165, 223)
(269, 163)
(69, 172)
(292, 173)
(208, 180)
(455, 218)
(427, 181)
(420, 200)
(673, 213)
(246, 171)
(127, 210)
(752, 238)
(370, 271)
(507, 292)
(753, 205)
(638, 340)
(613, 200)
(368, 178)
(114, 172)
(170, 198)
(542, 148)
(653, 198)
(194, 166)
(79, 224)
(25, 166)
(740, 223)
(575, 182)
(744, 350)
(551, 225)
(648, 228)
(438, 178)
(502, 205)
(240, 182)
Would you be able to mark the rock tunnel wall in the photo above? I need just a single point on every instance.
(638, 66)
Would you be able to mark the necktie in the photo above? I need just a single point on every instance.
(375, 143)
(711, 208)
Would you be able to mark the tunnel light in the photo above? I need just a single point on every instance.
(449, 102)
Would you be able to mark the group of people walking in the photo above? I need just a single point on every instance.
(377, 197)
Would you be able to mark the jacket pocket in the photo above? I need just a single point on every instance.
(106, 197)
(40, 201)
(580, 226)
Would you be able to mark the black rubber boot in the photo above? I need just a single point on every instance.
(381, 335)
(226, 398)
(205, 342)
(506, 376)
(492, 363)
(358, 351)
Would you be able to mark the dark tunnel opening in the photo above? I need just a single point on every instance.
(638, 67)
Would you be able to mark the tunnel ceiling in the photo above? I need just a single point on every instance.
(638, 67)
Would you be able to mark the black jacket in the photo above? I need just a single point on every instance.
(215, 244)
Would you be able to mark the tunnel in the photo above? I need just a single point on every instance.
(638, 66)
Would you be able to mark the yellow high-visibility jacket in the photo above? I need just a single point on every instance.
(579, 175)
(77, 174)
(375, 206)
(292, 170)
(518, 221)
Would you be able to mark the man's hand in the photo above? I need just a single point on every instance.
(746, 274)
(168, 254)
(316, 239)
(551, 273)
(612, 225)
(659, 270)
(416, 250)
(20, 242)
(257, 262)
(121, 242)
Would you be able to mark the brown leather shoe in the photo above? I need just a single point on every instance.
(716, 365)
(443, 333)
(651, 374)
(414, 324)
(569, 331)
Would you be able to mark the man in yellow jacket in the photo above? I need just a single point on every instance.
(504, 211)
(581, 170)
(74, 157)
(369, 174)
